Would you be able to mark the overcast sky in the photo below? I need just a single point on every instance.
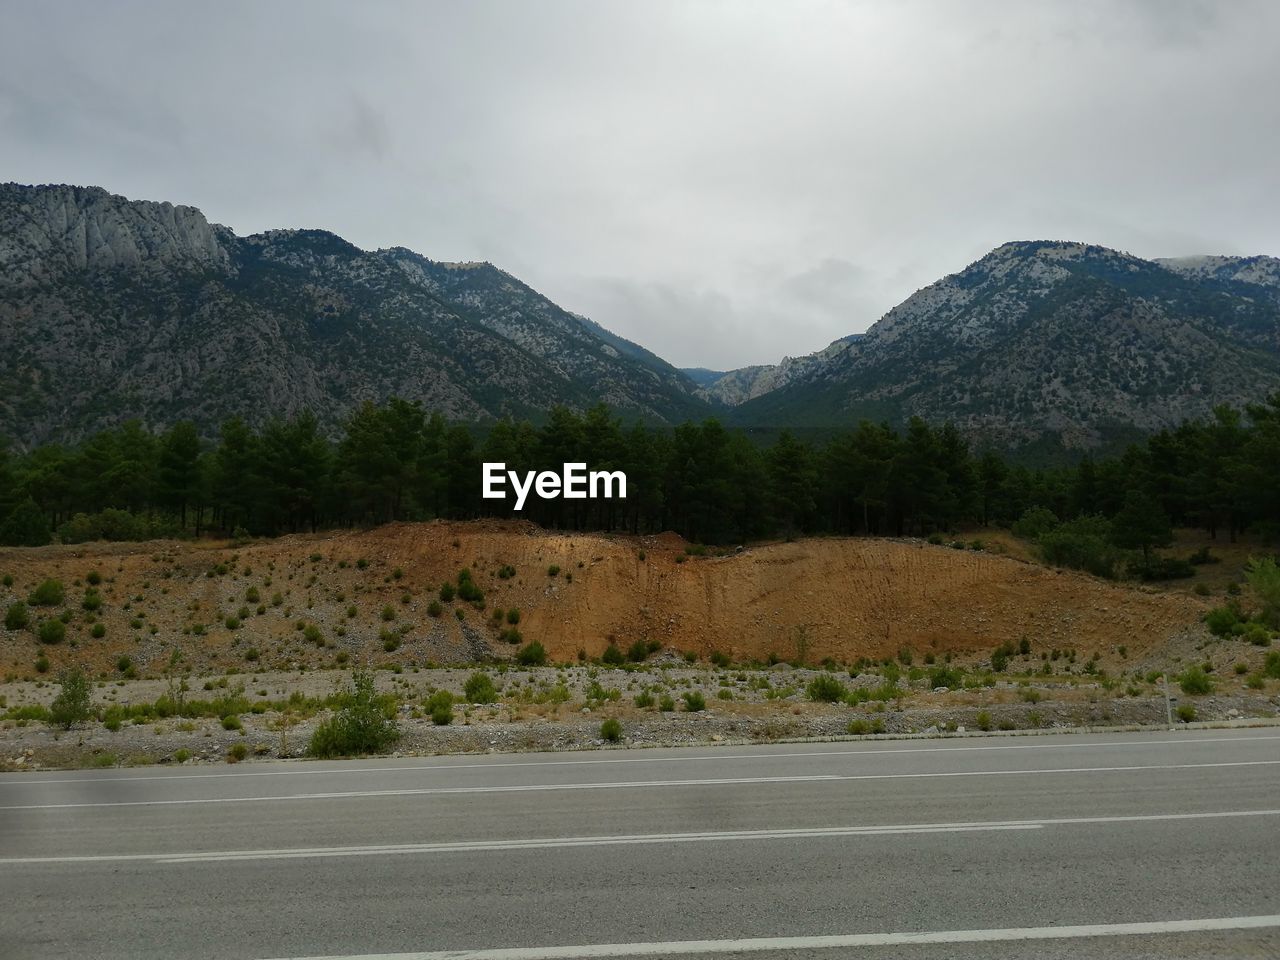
(723, 182)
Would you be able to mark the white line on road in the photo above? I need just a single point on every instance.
(544, 843)
(314, 770)
(634, 785)
(761, 944)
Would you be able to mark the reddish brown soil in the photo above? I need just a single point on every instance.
(838, 598)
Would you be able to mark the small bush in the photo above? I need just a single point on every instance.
(719, 659)
(983, 720)
(16, 617)
(447, 592)
(644, 699)
(638, 651)
(611, 730)
(553, 571)
(440, 707)
(612, 655)
(1195, 682)
(513, 616)
(237, 753)
(532, 655)
(825, 688)
(50, 593)
(665, 703)
(42, 664)
(231, 722)
(1222, 620)
(363, 724)
(694, 701)
(435, 609)
(231, 623)
(479, 688)
(1186, 713)
(72, 705)
(52, 631)
(123, 663)
(1271, 668)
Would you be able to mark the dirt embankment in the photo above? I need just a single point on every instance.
(811, 599)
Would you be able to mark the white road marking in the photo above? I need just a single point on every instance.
(544, 843)
(309, 768)
(761, 944)
(632, 785)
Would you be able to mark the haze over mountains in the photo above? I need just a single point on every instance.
(112, 309)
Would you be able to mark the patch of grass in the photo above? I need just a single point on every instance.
(611, 730)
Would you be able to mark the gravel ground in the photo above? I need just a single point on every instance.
(551, 708)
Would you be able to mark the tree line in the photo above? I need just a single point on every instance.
(397, 461)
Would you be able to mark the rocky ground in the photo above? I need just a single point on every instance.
(560, 708)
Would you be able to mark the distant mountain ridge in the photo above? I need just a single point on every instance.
(112, 309)
(1053, 339)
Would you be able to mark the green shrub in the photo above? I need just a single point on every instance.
(638, 651)
(949, 677)
(1082, 544)
(231, 722)
(72, 705)
(231, 623)
(1186, 713)
(511, 635)
(719, 659)
(99, 631)
(983, 720)
(1195, 682)
(532, 655)
(825, 688)
(447, 592)
(1035, 523)
(237, 753)
(50, 593)
(479, 688)
(92, 601)
(42, 664)
(644, 699)
(694, 701)
(16, 617)
(1271, 667)
(859, 727)
(390, 641)
(513, 616)
(611, 730)
(123, 663)
(440, 707)
(52, 631)
(612, 655)
(1257, 634)
(365, 722)
(553, 571)
(666, 704)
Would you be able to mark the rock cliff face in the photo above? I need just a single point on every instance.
(112, 309)
(1068, 341)
(746, 383)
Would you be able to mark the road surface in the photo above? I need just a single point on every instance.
(1156, 844)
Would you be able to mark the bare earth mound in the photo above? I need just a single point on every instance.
(349, 597)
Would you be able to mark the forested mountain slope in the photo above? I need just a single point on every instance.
(1054, 340)
(113, 309)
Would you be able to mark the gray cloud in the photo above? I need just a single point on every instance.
(722, 182)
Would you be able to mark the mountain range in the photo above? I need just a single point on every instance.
(112, 309)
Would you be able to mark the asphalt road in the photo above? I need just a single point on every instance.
(1109, 845)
